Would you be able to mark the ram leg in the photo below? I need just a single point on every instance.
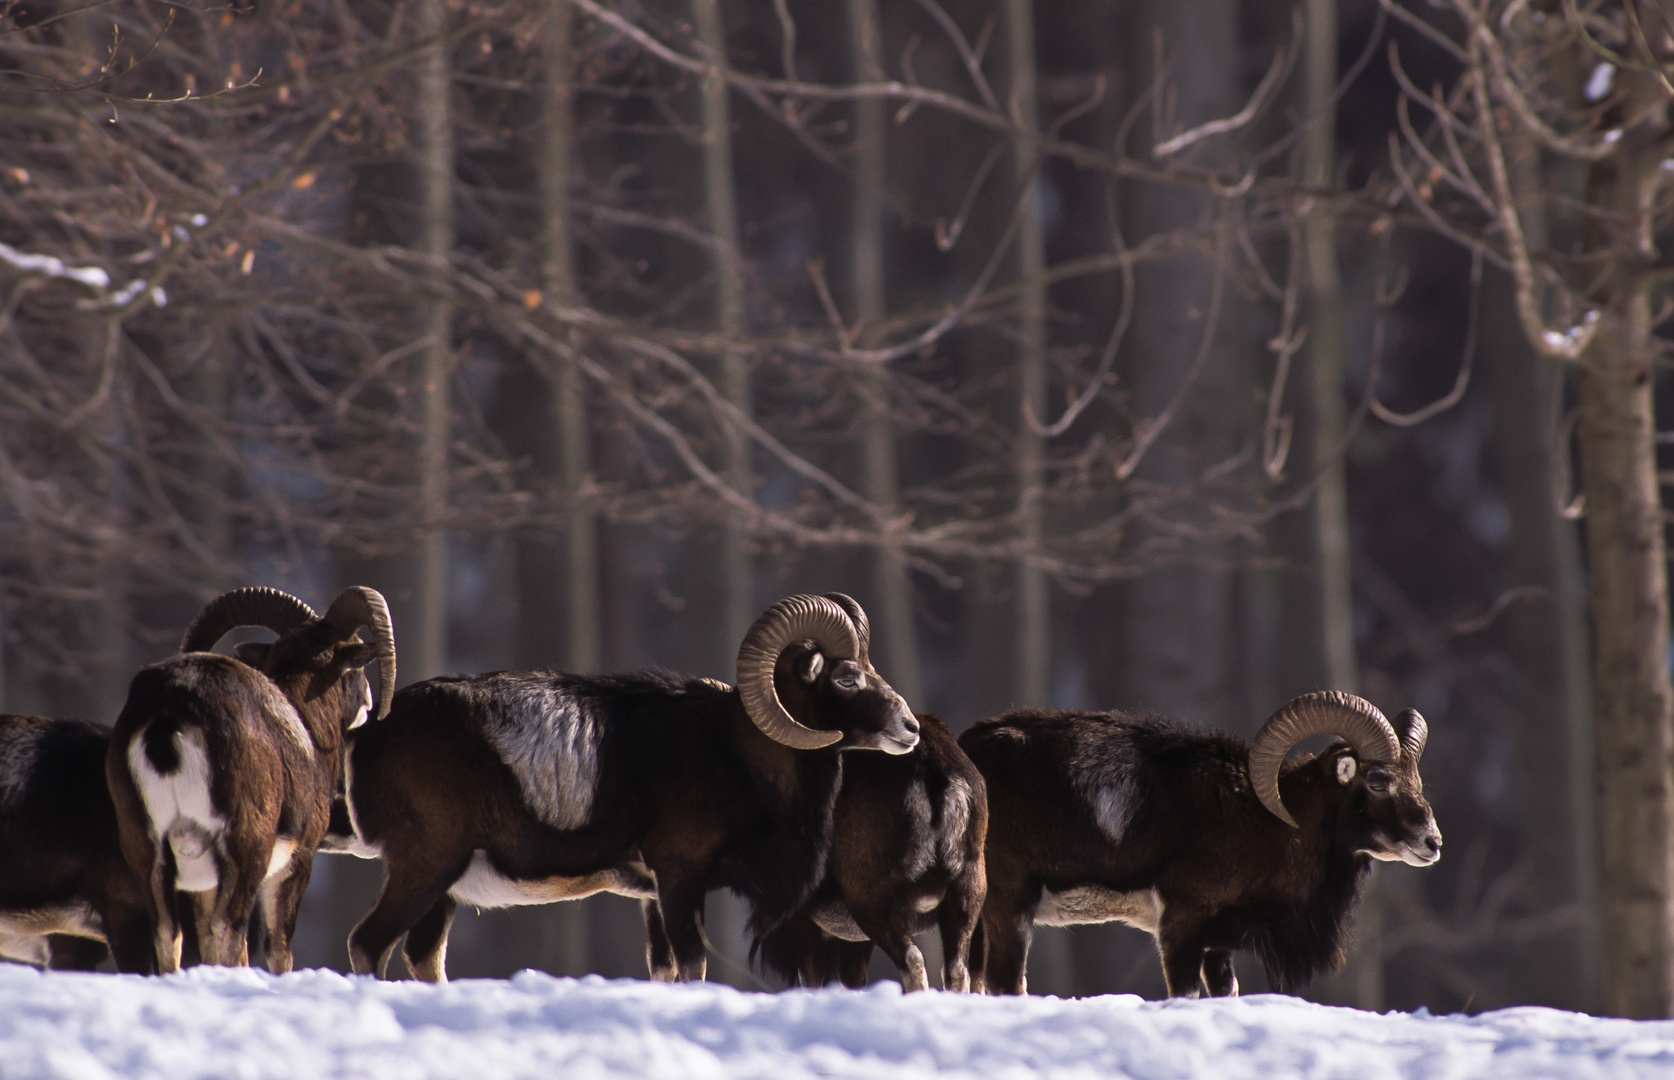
(956, 918)
(659, 951)
(405, 900)
(1218, 977)
(680, 900)
(888, 927)
(1181, 945)
(281, 905)
(228, 931)
(128, 928)
(1006, 937)
(165, 930)
(426, 947)
(979, 954)
(854, 962)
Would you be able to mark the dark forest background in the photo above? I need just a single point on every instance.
(1111, 353)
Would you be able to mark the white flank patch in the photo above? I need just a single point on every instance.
(1102, 773)
(178, 807)
(921, 845)
(485, 887)
(552, 746)
(956, 818)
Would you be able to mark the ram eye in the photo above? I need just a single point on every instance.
(847, 677)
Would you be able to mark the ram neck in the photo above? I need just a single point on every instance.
(318, 713)
(779, 862)
(1305, 936)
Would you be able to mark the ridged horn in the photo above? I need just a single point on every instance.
(857, 615)
(1413, 732)
(795, 618)
(270, 609)
(1324, 712)
(359, 606)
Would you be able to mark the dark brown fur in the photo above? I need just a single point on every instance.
(904, 860)
(687, 787)
(1228, 873)
(264, 784)
(59, 849)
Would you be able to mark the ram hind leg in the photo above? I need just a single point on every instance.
(281, 905)
(854, 962)
(411, 889)
(1218, 976)
(1005, 949)
(1181, 945)
(426, 947)
(957, 918)
(680, 912)
(659, 950)
(888, 925)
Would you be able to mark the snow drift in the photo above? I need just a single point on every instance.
(317, 1024)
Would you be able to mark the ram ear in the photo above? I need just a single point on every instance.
(354, 654)
(1346, 768)
(811, 665)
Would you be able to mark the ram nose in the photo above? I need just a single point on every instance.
(1425, 851)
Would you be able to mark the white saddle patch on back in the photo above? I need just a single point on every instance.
(1102, 773)
(1084, 904)
(956, 818)
(551, 745)
(178, 808)
(485, 887)
(19, 749)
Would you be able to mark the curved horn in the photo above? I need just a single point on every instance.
(1324, 712)
(1413, 733)
(359, 606)
(256, 606)
(794, 618)
(857, 615)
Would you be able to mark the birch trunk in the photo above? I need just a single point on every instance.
(1033, 645)
(1549, 641)
(891, 603)
(558, 589)
(737, 581)
(424, 638)
(1321, 422)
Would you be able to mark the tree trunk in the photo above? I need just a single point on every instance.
(891, 604)
(1633, 702)
(558, 589)
(737, 580)
(1034, 675)
(1549, 643)
(1329, 608)
(424, 638)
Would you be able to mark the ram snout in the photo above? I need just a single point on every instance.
(887, 724)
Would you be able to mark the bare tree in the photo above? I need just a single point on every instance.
(1585, 87)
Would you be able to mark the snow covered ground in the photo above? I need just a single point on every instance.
(316, 1025)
